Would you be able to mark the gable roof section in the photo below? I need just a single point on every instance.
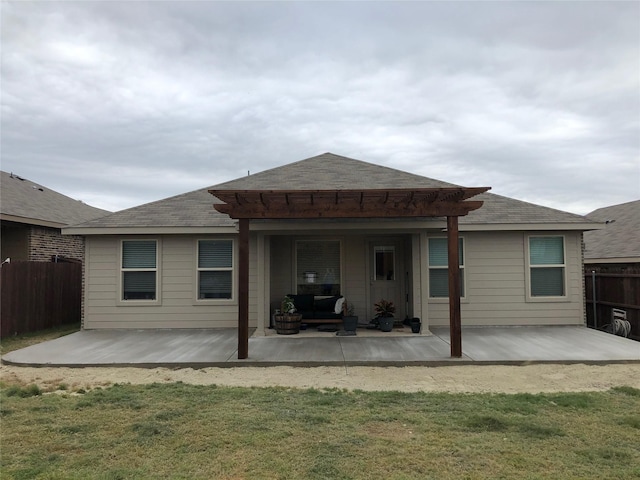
(619, 239)
(323, 172)
(24, 201)
(331, 172)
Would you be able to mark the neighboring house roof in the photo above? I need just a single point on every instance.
(24, 201)
(323, 172)
(619, 240)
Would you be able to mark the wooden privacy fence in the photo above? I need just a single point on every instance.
(39, 295)
(615, 287)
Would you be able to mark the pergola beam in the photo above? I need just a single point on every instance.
(346, 209)
(308, 204)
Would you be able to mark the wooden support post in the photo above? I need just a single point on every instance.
(455, 323)
(243, 290)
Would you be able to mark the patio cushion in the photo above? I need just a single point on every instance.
(312, 308)
(326, 304)
(303, 302)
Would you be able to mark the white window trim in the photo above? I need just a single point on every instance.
(527, 280)
(120, 293)
(463, 268)
(234, 274)
(294, 273)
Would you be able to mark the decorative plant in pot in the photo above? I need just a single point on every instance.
(384, 314)
(287, 321)
(349, 320)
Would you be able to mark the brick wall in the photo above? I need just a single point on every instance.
(46, 242)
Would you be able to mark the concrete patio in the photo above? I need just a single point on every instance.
(200, 348)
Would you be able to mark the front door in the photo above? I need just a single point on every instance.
(387, 275)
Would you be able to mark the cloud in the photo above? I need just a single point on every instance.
(120, 103)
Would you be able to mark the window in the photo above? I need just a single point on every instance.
(318, 267)
(139, 270)
(546, 266)
(439, 267)
(215, 269)
(384, 263)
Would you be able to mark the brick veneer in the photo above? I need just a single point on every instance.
(46, 242)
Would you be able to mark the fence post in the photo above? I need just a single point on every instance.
(593, 300)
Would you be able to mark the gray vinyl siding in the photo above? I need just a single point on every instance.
(355, 274)
(495, 271)
(281, 264)
(177, 308)
(496, 285)
(354, 285)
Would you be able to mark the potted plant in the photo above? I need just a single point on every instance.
(287, 321)
(384, 314)
(349, 320)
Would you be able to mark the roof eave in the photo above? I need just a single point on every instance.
(226, 229)
(30, 221)
(529, 226)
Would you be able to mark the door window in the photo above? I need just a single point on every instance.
(385, 262)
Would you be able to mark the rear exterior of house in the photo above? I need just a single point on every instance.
(174, 263)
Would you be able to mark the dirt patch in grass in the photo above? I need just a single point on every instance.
(469, 378)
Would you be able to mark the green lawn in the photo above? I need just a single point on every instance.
(185, 431)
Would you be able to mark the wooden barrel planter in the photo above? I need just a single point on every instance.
(288, 324)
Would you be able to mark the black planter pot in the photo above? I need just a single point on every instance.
(386, 323)
(415, 325)
(350, 324)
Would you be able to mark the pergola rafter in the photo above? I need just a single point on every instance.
(387, 203)
(450, 202)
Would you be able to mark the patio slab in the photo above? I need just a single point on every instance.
(130, 348)
(289, 350)
(200, 348)
(543, 344)
(409, 350)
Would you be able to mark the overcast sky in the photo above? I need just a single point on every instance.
(122, 103)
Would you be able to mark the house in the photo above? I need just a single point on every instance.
(612, 267)
(32, 217)
(333, 225)
(618, 243)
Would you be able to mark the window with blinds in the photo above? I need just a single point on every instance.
(139, 270)
(215, 269)
(439, 267)
(547, 266)
(318, 267)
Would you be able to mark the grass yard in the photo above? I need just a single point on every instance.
(186, 432)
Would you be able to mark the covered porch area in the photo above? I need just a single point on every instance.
(252, 206)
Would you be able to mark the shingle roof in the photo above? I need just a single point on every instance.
(323, 172)
(329, 171)
(620, 237)
(192, 209)
(28, 202)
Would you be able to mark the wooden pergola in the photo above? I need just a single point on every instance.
(245, 205)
